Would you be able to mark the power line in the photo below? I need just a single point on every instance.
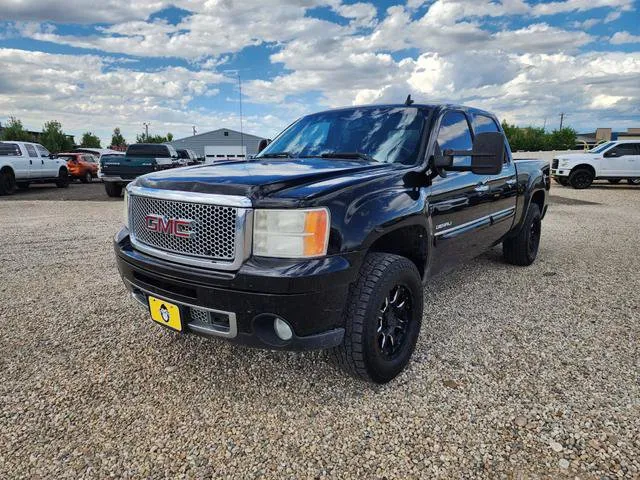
(146, 130)
(562, 115)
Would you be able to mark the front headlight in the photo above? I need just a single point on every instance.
(126, 208)
(291, 233)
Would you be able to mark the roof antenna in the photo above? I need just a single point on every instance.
(408, 101)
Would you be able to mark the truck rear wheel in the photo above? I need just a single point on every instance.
(113, 189)
(581, 178)
(523, 248)
(7, 182)
(383, 318)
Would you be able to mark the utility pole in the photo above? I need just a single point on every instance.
(237, 73)
(146, 130)
(194, 130)
(562, 119)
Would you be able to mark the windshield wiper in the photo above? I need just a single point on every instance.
(276, 155)
(348, 155)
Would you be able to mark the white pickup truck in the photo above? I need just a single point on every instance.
(612, 161)
(23, 163)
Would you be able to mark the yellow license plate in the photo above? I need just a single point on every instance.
(165, 313)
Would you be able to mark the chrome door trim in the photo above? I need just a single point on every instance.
(485, 220)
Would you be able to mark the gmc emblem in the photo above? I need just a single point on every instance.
(170, 226)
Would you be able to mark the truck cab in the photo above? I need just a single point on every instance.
(613, 161)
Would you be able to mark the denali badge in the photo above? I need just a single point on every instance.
(171, 226)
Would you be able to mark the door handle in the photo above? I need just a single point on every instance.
(42, 161)
(482, 188)
(30, 162)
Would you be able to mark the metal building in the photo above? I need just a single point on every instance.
(218, 138)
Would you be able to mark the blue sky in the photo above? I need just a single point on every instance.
(175, 63)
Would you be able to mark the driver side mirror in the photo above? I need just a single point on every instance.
(487, 155)
(263, 144)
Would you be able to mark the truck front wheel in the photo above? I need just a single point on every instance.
(523, 248)
(113, 189)
(581, 178)
(383, 318)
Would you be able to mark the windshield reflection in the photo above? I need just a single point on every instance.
(385, 134)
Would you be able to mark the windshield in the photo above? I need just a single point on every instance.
(601, 148)
(147, 150)
(383, 134)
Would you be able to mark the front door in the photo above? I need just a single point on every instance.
(618, 161)
(460, 225)
(49, 166)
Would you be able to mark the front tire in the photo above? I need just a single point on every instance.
(113, 189)
(633, 181)
(63, 179)
(7, 182)
(383, 318)
(581, 178)
(523, 248)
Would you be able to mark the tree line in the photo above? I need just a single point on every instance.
(55, 140)
(536, 138)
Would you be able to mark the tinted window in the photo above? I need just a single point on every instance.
(386, 134)
(625, 149)
(483, 124)
(31, 150)
(183, 153)
(601, 148)
(454, 134)
(68, 157)
(43, 151)
(148, 150)
(10, 149)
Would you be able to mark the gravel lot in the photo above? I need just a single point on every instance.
(519, 372)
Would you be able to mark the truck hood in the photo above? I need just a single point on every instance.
(579, 157)
(283, 178)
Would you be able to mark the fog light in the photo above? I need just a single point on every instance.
(282, 328)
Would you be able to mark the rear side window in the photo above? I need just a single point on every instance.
(483, 124)
(454, 134)
(146, 150)
(31, 150)
(10, 150)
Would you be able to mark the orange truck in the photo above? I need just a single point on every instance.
(83, 166)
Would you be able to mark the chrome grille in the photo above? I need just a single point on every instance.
(554, 163)
(212, 227)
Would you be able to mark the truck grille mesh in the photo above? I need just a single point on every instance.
(212, 227)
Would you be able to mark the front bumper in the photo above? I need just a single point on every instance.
(309, 295)
(560, 172)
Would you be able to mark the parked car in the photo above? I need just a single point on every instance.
(23, 163)
(82, 166)
(97, 152)
(325, 239)
(613, 161)
(186, 156)
(116, 171)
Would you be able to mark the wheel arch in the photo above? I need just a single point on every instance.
(584, 166)
(407, 240)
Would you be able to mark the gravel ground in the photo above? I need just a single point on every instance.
(76, 191)
(519, 372)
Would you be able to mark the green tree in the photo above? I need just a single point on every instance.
(142, 138)
(54, 139)
(13, 130)
(564, 139)
(90, 140)
(117, 140)
(535, 138)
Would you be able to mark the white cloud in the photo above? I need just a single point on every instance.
(620, 38)
(613, 16)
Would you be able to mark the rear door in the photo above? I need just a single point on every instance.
(34, 160)
(460, 226)
(16, 157)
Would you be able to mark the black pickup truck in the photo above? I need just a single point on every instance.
(325, 239)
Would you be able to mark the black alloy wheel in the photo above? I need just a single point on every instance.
(393, 321)
(581, 179)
